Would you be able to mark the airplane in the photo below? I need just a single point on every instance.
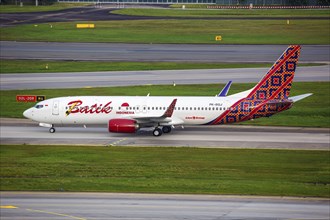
(128, 114)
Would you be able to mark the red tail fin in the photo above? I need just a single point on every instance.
(170, 109)
(276, 84)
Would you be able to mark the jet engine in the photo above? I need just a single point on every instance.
(121, 125)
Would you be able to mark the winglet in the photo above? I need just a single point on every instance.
(225, 90)
(170, 109)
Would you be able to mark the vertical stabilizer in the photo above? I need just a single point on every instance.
(276, 84)
(269, 96)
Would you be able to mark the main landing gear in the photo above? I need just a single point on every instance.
(158, 132)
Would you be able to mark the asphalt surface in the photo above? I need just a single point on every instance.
(157, 52)
(102, 14)
(21, 131)
(83, 206)
(72, 14)
(126, 78)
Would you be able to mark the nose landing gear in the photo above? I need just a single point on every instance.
(52, 130)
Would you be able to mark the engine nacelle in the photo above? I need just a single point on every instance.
(122, 125)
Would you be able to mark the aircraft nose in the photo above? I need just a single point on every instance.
(28, 113)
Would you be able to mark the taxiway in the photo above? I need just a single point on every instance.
(21, 131)
(83, 206)
(157, 52)
(127, 78)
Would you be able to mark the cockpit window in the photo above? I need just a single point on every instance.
(39, 106)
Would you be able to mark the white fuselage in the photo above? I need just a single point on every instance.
(100, 109)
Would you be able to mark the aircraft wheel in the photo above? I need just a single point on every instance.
(166, 129)
(52, 130)
(157, 132)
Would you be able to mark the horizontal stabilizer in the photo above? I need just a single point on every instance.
(299, 97)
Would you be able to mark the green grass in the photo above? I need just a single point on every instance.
(165, 170)
(268, 13)
(39, 66)
(310, 112)
(40, 8)
(178, 31)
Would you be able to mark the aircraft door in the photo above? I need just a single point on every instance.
(56, 107)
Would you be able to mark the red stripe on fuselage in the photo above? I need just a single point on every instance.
(226, 112)
(275, 94)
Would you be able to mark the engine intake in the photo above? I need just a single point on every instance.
(123, 126)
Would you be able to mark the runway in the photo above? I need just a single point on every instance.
(157, 52)
(127, 78)
(21, 131)
(83, 206)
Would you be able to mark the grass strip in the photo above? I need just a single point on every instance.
(165, 170)
(236, 13)
(48, 66)
(310, 112)
(39, 66)
(178, 31)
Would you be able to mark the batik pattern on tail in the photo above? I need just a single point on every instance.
(269, 96)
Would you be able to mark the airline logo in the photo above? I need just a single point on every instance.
(126, 110)
(77, 106)
(195, 118)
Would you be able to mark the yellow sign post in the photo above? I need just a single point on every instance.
(85, 25)
(218, 38)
